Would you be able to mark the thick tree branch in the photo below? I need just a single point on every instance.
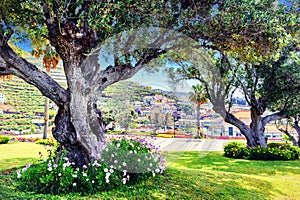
(230, 118)
(291, 137)
(32, 75)
(273, 117)
(122, 72)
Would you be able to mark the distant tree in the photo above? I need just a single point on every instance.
(126, 117)
(198, 97)
(159, 119)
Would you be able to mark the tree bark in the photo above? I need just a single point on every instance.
(297, 128)
(244, 129)
(258, 127)
(199, 134)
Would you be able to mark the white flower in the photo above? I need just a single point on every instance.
(115, 161)
(105, 170)
(74, 175)
(118, 145)
(124, 164)
(50, 169)
(111, 171)
(55, 165)
(19, 176)
(93, 181)
(107, 181)
(74, 184)
(112, 155)
(66, 159)
(107, 174)
(87, 179)
(124, 181)
(59, 174)
(150, 164)
(157, 170)
(139, 160)
(84, 174)
(130, 151)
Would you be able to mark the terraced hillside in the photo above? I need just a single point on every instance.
(23, 106)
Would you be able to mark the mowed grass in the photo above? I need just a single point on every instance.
(17, 154)
(190, 175)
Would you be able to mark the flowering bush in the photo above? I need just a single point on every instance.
(124, 161)
(235, 150)
(274, 151)
(23, 139)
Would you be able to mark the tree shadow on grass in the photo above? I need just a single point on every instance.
(13, 163)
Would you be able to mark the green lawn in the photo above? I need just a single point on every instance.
(191, 175)
(19, 153)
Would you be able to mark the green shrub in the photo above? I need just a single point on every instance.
(235, 150)
(4, 139)
(49, 141)
(117, 167)
(274, 151)
(261, 153)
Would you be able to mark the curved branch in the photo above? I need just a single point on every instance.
(32, 75)
(122, 72)
(273, 117)
(230, 118)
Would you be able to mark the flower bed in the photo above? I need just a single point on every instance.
(124, 161)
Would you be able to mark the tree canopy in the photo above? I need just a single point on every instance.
(221, 34)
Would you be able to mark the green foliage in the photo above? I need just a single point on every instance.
(4, 139)
(56, 175)
(274, 151)
(235, 150)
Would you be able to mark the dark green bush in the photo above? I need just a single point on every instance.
(275, 151)
(4, 139)
(261, 153)
(235, 150)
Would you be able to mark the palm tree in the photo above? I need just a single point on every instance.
(50, 60)
(197, 96)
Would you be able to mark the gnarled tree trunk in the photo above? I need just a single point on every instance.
(255, 133)
(297, 128)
